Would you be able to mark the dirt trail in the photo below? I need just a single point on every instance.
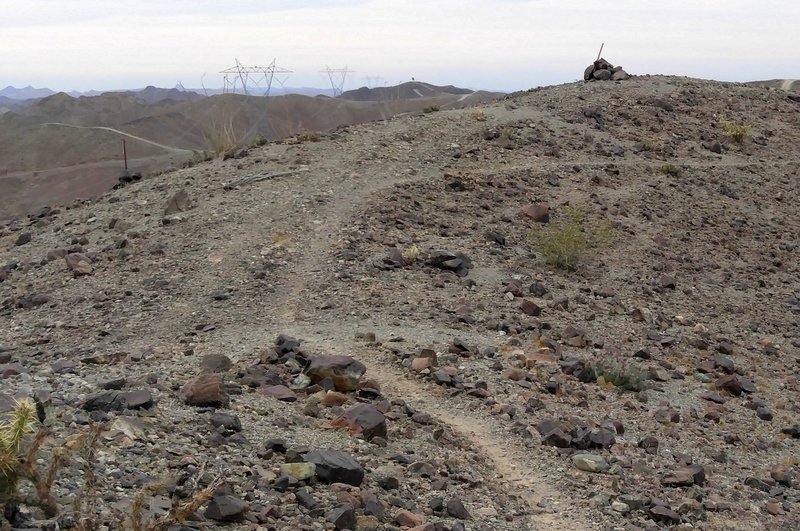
(123, 133)
(516, 472)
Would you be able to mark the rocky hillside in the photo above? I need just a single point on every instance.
(61, 148)
(366, 332)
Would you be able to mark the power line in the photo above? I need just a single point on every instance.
(253, 77)
(337, 77)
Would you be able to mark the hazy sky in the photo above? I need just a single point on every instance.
(494, 44)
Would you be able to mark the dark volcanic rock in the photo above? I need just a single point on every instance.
(343, 517)
(105, 401)
(226, 508)
(336, 467)
(23, 238)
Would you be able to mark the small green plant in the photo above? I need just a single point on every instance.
(646, 145)
(18, 460)
(736, 131)
(430, 108)
(507, 132)
(562, 243)
(411, 254)
(671, 170)
(258, 140)
(608, 372)
(198, 156)
(309, 136)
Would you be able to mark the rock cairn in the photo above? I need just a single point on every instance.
(602, 70)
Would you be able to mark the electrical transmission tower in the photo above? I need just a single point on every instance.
(257, 78)
(337, 77)
(373, 81)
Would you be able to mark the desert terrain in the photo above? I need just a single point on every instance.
(364, 332)
(47, 142)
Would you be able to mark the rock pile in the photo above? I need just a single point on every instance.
(602, 70)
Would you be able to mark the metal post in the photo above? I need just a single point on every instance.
(125, 154)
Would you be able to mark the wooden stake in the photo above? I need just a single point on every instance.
(601, 51)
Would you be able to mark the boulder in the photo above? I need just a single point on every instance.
(364, 419)
(333, 466)
(205, 390)
(344, 371)
(226, 508)
(78, 264)
(179, 202)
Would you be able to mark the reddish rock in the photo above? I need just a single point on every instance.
(8, 370)
(334, 399)
(420, 364)
(515, 374)
(364, 419)
(774, 508)
(205, 390)
(538, 212)
(408, 519)
(685, 477)
(529, 307)
(280, 392)
(344, 371)
(78, 264)
(574, 337)
(56, 254)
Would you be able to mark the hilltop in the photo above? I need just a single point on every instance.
(655, 385)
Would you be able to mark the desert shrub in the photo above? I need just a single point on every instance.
(179, 510)
(220, 131)
(736, 131)
(563, 242)
(18, 461)
(430, 108)
(507, 132)
(607, 371)
(479, 115)
(411, 254)
(309, 136)
(647, 145)
(258, 140)
(671, 170)
(198, 156)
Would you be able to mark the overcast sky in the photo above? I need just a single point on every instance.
(492, 44)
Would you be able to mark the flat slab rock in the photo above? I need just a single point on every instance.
(333, 466)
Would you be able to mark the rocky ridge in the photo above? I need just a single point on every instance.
(370, 340)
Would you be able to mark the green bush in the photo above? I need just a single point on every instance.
(734, 130)
(611, 372)
(431, 108)
(309, 136)
(671, 170)
(563, 242)
(258, 140)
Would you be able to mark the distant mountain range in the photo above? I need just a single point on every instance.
(147, 93)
